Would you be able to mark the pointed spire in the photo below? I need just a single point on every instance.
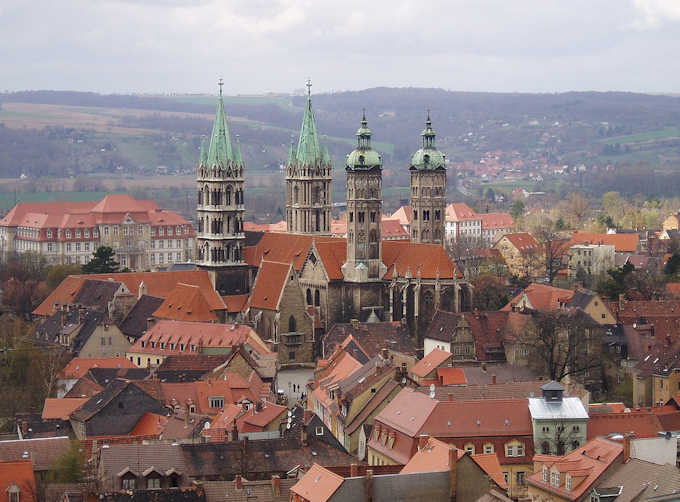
(237, 151)
(220, 143)
(204, 154)
(364, 133)
(309, 149)
(291, 151)
(428, 133)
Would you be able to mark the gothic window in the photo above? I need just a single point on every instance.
(309, 296)
(351, 217)
(200, 197)
(317, 298)
(373, 244)
(228, 201)
(415, 215)
(426, 215)
(291, 324)
(295, 195)
(437, 215)
(360, 216)
(372, 216)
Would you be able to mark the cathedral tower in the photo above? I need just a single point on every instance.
(364, 211)
(428, 190)
(220, 206)
(308, 180)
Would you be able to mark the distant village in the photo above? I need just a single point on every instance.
(435, 353)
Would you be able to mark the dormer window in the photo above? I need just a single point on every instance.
(567, 482)
(545, 474)
(555, 478)
(13, 493)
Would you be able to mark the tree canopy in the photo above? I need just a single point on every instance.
(102, 262)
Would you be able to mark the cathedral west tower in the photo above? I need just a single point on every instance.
(308, 180)
(364, 211)
(428, 190)
(220, 207)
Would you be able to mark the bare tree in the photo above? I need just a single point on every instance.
(554, 249)
(564, 343)
(465, 252)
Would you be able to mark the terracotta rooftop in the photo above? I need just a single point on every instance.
(541, 297)
(236, 303)
(621, 242)
(460, 211)
(317, 485)
(19, 473)
(403, 214)
(42, 452)
(269, 283)
(451, 376)
(433, 457)
(644, 425)
(495, 221)
(501, 390)
(186, 302)
(61, 408)
(407, 412)
(430, 362)
(585, 465)
(524, 242)
(488, 417)
(371, 337)
(78, 366)
(255, 420)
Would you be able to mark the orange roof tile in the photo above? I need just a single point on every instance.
(236, 303)
(61, 408)
(433, 457)
(673, 289)
(490, 464)
(494, 221)
(19, 473)
(488, 417)
(644, 425)
(250, 226)
(150, 424)
(257, 421)
(541, 297)
(428, 260)
(63, 294)
(588, 463)
(403, 214)
(393, 229)
(186, 303)
(408, 411)
(78, 366)
(430, 362)
(451, 376)
(524, 242)
(269, 283)
(621, 242)
(460, 211)
(318, 485)
(282, 248)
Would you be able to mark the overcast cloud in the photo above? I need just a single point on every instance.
(260, 45)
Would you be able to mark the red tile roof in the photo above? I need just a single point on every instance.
(42, 452)
(269, 283)
(150, 424)
(257, 421)
(523, 242)
(18, 473)
(61, 408)
(490, 465)
(408, 412)
(78, 366)
(63, 294)
(199, 334)
(673, 289)
(392, 229)
(542, 297)
(585, 465)
(433, 457)
(318, 485)
(621, 242)
(282, 248)
(644, 425)
(236, 303)
(186, 303)
(460, 211)
(451, 376)
(496, 221)
(250, 226)
(403, 214)
(430, 362)
(488, 417)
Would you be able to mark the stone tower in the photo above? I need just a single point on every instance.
(220, 206)
(308, 180)
(428, 190)
(364, 211)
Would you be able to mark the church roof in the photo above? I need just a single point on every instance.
(220, 144)
(428, 157)
(363, 158)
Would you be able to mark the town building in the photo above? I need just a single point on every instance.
(142, 235)
(524, 256)
(590, 259)
(463, 223)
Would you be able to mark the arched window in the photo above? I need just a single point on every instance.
(373, 244)
(291, 324)
(317, 298)
(309, 296)
(574, 444)
(295, 195)
(228, 201)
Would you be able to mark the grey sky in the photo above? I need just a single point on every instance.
(260, 45)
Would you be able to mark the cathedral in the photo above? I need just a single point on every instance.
(296, 285)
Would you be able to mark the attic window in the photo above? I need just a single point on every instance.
(318, 431)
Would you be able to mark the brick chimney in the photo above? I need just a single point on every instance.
(369, 485)
(355, 323)
(353, 470)
(238, 482)
(422, 441)
(626, 447)
(276, 485)
(493, 379)
(453, 458)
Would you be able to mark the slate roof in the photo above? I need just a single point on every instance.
(642, 481)
(139, 457)
(484, 375)
(259, 490)
(102, 376)
(42, 452)
(185, 494)
(135, 323)
(88, 324)
(84, 387)
(188, 367)
(96, 293)
(371, 337)
(79, 366)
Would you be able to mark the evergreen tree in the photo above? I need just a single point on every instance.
(102, 262)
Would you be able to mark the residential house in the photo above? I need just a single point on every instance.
(637, 480)
(671, 222)
(622, 242)
(590, 259)
(17, 482)
(523, 255)
(41, 454)
(167, 338)
(426, 369)
(462, 222)
(559, 422)
(79, 366)
(573, 476)
(501, 426)
(495, 225)
(370, 337)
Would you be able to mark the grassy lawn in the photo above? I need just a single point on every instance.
(7, 198)
(668, 132)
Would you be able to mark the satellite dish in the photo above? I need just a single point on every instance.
(287, 426)
(290, 413)
(290, 420)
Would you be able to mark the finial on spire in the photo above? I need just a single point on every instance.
(309, 86)
(363, 116)
(220, 83)
(428, 116)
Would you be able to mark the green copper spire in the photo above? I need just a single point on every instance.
(237, 151)
(309, 149)
(204, 154)
(291, 151)
(363, 157)
(220, 144)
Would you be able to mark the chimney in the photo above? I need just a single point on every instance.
(150, 321)
(276, 485)
(621, 301)
(303, 436)
(238, 482)
(355, 323)
(453, 457)
(385, 353)
(369, 485)
(403, 322)
(493, 379)
(353, 470)
(422, 441)
(626, 447)
(141, 291)
(234, 432)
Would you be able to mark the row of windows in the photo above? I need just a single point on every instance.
(361, 216)
(161, 257)
(426, 215)
(171, 346)
(520, 477)
(161, 243)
